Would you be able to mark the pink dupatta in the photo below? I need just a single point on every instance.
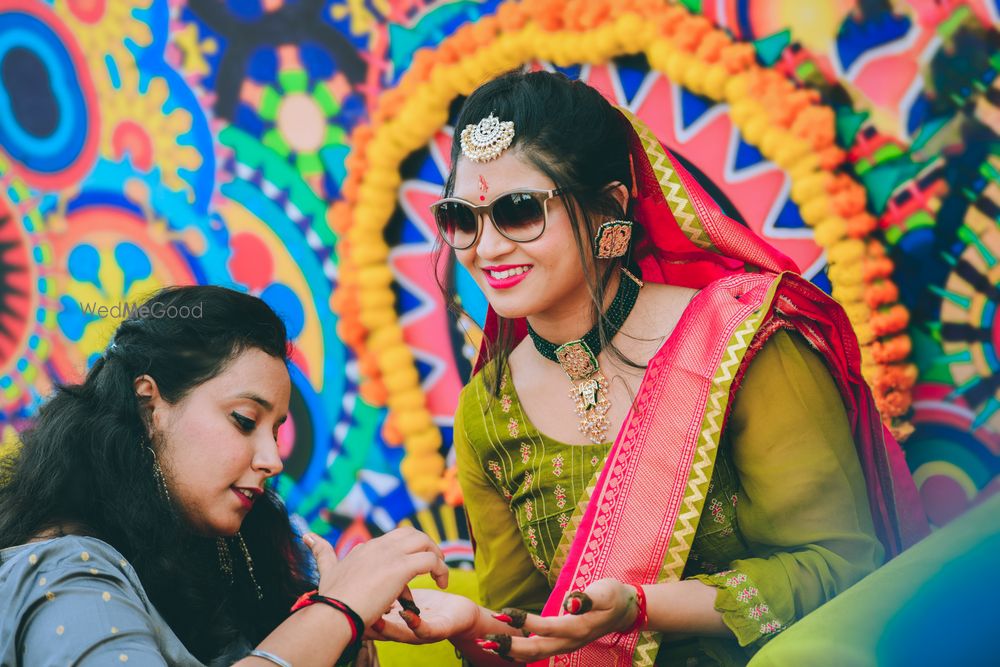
(644, 510)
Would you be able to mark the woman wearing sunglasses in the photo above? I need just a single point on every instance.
(667, 449)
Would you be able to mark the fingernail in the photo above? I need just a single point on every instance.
(412, 620)
(503, 618)
(578, 602)
(309, 539)
(487, 645)
(517, 616)
(409, 605)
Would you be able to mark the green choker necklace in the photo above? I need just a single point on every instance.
(578, 358)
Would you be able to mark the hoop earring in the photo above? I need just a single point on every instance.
(612, 239)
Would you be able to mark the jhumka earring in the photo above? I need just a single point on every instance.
(226, 561)
(225, 558)
(161, 482)
(612, 239)
(249, 562)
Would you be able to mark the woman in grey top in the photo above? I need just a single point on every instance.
(135, 525)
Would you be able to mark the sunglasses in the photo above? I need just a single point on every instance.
(519, 215)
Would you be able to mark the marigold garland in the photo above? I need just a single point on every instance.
(789, 125)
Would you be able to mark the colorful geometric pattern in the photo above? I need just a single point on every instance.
(153, 142)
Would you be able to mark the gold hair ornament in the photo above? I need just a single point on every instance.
(487, 139)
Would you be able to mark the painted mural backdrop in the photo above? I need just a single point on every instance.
(291, 148)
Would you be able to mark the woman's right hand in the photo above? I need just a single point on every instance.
(374, 573)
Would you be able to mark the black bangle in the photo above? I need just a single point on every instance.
(357, 625)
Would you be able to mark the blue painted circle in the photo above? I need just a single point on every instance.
(43, 110)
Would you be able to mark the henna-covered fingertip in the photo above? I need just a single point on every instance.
(517, 617)
(577, 603)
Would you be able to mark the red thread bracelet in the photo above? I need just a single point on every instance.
(641, 616)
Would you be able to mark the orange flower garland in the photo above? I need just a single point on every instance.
(789, 125)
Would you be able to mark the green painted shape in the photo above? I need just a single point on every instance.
(959, 300)
(849, 122)
(327, 102)
(274, 141)
(403, 41)
(308, 164)
(294, 81)
(927, 132)
(970, 237)
(692, 5)
(279, 172)
(270, 99)
(770, 48)
(880, 181)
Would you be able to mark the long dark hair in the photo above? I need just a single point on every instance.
(570, 133)
(84, 462)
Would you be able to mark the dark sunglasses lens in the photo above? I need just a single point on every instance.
(456, 222)
(520, 215)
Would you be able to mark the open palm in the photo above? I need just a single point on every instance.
(442, 615)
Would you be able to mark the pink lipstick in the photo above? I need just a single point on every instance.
(508, 281)
(247, 502)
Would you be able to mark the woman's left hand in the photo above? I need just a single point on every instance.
(613, 608)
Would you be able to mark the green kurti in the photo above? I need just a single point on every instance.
(785, 525)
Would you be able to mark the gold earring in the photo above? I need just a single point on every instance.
(225, 558)
(612, 239)
(161, 481)
(249, 561)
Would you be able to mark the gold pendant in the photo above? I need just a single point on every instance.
(590, 396)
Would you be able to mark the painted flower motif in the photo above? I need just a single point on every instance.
(757, 611)
(734, 499)
(529, 509)
(746, 594)
(513, 427)
(503, 383)
(505, 403)
(532, 537)
(560, 496)
(594, 460)
(506, 494)
(494, 467)
(557, 465)
(525, 452)
(529, 477)
(563, 520)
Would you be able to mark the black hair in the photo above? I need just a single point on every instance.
(573, 135)
(86, 462)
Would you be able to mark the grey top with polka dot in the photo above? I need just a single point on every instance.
(75, 600)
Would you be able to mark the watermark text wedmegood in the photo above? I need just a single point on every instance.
(120, 311)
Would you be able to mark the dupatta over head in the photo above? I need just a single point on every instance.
(644, 510)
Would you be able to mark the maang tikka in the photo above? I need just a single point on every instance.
(487, 139)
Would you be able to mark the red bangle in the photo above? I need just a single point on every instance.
(641, 616)
(357, 625)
